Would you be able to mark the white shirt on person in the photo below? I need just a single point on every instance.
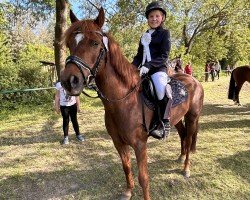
(65, 100)
(218, 67)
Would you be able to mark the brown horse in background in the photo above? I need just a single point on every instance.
(94, 55)
(175, 65)
(238, 77)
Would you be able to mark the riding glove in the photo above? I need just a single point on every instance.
(144, 69)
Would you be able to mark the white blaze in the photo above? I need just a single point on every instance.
(79, 38)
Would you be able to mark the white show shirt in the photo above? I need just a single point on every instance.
(65, 100)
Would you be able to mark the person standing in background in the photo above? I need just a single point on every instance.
(69, 106)
(217, 69)
(188, 69)
(212, 70)
(207, 71)
(228, 72)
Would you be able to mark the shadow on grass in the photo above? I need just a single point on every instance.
(238, 163)
(222, 124)
(102, 179)
(215, 109)
(25, 135)
(231, 111)
(97, 183)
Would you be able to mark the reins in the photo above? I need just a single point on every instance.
(123, 98)
(100, 95)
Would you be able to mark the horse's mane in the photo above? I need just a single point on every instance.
(125, 71)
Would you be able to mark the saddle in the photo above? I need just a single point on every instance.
(179, 95)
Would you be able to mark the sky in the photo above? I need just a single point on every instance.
(77, 3)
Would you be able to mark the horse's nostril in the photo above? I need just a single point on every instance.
(74, 81)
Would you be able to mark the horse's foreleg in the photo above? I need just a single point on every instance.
(182, 133)
(142, 163)
(124, 153)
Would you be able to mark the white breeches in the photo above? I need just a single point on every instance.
(160, 80)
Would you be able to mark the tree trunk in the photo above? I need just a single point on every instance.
(60, 27)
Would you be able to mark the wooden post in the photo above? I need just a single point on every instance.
(60, 28)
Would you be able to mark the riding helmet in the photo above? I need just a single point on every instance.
(154, 6)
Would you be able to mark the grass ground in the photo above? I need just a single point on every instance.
(35, 166)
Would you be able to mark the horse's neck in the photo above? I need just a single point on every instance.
(116, 81)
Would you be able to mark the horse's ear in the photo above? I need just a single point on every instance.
(100, 18)
(72, 16)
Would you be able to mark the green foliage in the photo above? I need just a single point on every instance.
(239, 46)
(27, 73)
(33, 53)
(5, 51)
(31, 72)
(129, 40)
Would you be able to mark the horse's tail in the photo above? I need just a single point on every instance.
(231, 89)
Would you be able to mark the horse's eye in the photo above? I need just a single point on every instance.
(77, 32)
(94, 43)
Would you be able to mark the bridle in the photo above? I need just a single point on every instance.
(81, 65)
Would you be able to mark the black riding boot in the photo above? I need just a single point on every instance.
(164, 129)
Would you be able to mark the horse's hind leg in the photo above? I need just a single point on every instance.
(190, 142)
(141, 157)
(182, 133)
(237, 92)
(194, 137)
(124, 153)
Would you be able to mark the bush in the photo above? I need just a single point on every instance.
(27, 73)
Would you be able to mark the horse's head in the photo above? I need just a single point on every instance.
(87, 46)
(175, 65)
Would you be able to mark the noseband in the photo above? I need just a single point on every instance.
(81, 64)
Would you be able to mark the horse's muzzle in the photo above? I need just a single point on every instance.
(73, 85)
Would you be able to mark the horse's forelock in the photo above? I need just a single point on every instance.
(84, 26)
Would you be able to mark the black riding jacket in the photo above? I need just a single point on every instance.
(159, 49)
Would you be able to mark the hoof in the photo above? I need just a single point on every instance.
(186, 174)
(125, 196)
(181, 159)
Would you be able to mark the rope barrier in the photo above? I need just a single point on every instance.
(24, 90)
(226, 71)
(37, 89)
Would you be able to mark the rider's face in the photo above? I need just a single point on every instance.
(155, 18)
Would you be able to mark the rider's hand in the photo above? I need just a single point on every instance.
(144, 69)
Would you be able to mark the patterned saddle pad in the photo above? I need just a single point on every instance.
(179, 93)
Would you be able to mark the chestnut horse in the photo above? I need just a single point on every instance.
(94, 55)
(238, 77)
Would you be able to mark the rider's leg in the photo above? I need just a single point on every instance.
(160, 80)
